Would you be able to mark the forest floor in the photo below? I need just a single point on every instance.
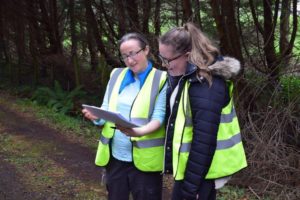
(40, 162)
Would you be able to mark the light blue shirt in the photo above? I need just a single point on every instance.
(121, 144)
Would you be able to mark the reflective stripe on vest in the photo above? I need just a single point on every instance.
(229, 156)
(113, 80)
(104, 140)
(149, 143)
(221, 144)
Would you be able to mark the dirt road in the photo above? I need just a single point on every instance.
(39, 162)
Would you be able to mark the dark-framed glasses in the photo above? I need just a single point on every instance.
(167, 61)
(132, 55)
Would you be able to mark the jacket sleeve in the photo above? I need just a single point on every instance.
(206, 106)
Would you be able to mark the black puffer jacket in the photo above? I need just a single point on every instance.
(206, 105)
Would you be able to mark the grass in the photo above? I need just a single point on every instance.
(87, 132)
(230, 192)
(43, 175)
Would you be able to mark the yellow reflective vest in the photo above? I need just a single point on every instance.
(147, 150)
(229, 156)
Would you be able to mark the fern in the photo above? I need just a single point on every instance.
(57, 99)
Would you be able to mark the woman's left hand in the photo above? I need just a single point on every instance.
(152, 126)
(133, 132)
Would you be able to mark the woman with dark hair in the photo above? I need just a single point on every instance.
(203, 146)
(138, 91)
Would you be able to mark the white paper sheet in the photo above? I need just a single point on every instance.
(114, 117)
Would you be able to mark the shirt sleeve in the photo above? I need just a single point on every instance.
(160, 106)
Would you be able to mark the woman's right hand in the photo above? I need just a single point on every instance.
(87, 114)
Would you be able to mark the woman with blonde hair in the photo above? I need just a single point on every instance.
(203, 145)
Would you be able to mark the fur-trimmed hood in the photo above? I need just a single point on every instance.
(226, 67)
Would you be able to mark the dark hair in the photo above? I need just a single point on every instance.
(135, 36)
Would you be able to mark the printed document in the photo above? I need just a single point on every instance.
(114, 117)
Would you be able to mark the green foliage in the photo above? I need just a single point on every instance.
(56, 98)
(234, 193)
(290, 87)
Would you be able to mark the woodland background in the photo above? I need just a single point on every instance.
(59, 53)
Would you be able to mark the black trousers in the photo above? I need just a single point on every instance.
(207, 190)
(123, 178)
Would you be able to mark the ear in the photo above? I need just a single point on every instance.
(147, 49)
(187, 55)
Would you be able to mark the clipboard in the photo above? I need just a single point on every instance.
(114, 117)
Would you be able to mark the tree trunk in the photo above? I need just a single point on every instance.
(157, 18)
(289, 48)
(3, 46)
(268, 36)
(176, 13)
(74, 56)
(55, 26)
(19, 27)
(33, 40)
(187, 10)
(146, 15)
(133, 15)
(93, 24)
(50, 23)
(284, 25)
(197, 13)
(224, 15)
(91, 46)
(121, 18)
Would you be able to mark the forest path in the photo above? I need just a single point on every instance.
(39, 162)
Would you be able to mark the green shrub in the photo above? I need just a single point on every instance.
(56, 98)
(290, 87)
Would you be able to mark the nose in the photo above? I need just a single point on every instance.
(129, 59)
(164, 65)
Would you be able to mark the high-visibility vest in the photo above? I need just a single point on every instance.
(229, 156)
(147, 150)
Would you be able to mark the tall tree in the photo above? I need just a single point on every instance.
(157, 17)
(131, 7)
(34, 38)
(284, 25)
(146, 15)
(187, 10)
(287, 50)
(197, 14)
(51, 24)
(74, 56)
(224, 15)
(121, 17)
(3, 29)
(19, 28)
(94, 25)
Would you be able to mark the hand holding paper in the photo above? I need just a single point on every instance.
(114, 117)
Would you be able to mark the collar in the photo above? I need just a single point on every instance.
(190, 69)
(129, 77)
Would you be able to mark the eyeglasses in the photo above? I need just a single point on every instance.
(131, 55)
(167, 61)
